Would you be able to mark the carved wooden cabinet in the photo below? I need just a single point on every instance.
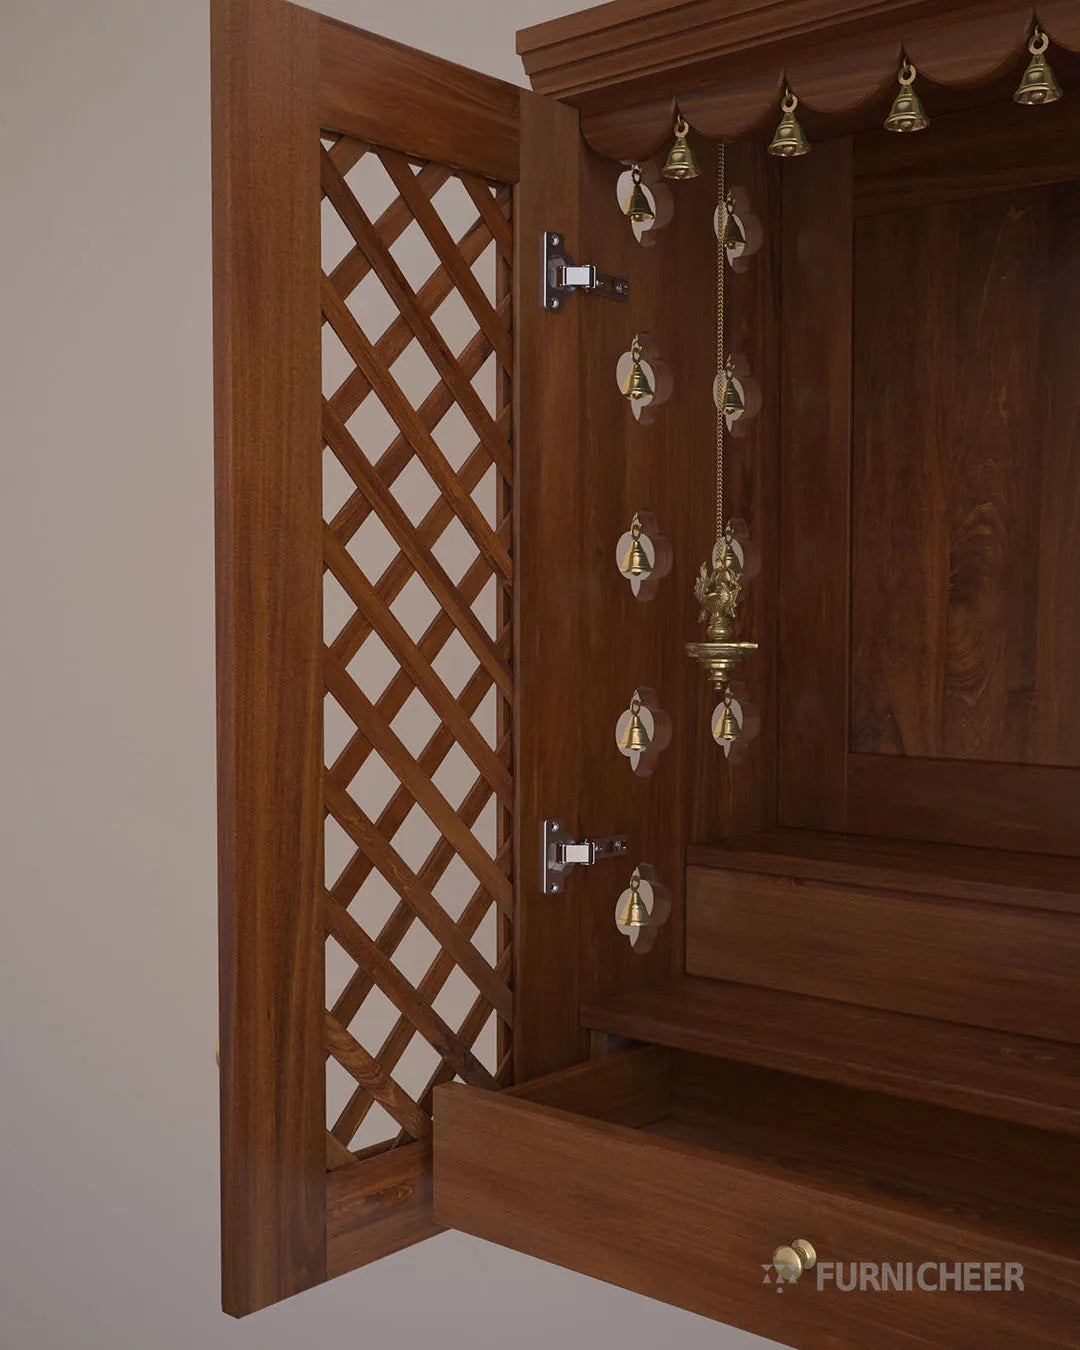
(857, 1026)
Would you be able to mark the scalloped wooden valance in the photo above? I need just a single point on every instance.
(725, 62)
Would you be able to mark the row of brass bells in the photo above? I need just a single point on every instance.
(636, 386)
(635, 737)
(790, 139)
(907, 113)
(1039, 84)
(636, 561)
(680, 162)
(635, 913)
(636, 208)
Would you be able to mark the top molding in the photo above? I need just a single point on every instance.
(725, 62)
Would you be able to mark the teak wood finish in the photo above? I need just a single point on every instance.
(860, 1019)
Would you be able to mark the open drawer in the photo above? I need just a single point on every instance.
(678, 1175)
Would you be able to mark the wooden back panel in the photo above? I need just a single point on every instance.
(989, 966)
(929, 616)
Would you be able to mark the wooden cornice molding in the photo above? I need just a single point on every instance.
(725, 62)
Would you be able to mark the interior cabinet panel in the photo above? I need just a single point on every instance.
(961, 962)
(966, 480)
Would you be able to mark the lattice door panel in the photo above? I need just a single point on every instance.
(417, 364)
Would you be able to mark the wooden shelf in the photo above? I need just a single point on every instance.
(948, 871)
(991, 1073)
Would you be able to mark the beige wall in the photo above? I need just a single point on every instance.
(108, 1125)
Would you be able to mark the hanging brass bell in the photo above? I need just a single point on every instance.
(1039, 84)
(790, 140)
(635, 562)
(728, 728)
(636, 208)
(636, 386)
(731, 401)
(635, 737)
(680, 162)
(634, 913)
(907, 113)
(732, 234)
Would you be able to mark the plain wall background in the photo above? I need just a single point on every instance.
(108, 1131)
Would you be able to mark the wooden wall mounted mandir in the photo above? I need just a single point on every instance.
(858, 1026)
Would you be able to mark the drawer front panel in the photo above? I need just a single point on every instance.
(680, 1224)
(970, 963)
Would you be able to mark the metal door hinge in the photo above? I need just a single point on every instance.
(561, 276)
(560, 853)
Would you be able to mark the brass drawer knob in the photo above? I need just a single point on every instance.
(790, 1262)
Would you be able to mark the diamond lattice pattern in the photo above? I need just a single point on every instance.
(417, 365)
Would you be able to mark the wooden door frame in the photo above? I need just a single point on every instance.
(280, 76)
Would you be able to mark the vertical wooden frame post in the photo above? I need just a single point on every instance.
(548, 530)
(269, 565)
(815, 488)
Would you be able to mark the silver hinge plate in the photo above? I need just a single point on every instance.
(561, 276)
(560, 853)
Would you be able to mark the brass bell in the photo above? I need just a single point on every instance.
(635, 563)
(635, 737)
(907, 112)
(1039, 84)
(728, 728)
(636, 386)
(636, 208)
(635, 913)
(790, 140)
(731, 230)
(681, 163)
(731, 401)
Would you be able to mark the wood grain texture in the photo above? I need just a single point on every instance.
(548, 532)
(378, 90)
(632, 1088)
(267, 363)
(814, 488)
(377, 1206)
(988, 875)
(967, 413)
(993, 150)
(959, 962)
(1014, 1078)
(626, 64)
(954, 1163)
(1023, 806)
(691, 1225)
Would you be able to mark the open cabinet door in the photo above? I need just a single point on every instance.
(331, 691)
(406, 694)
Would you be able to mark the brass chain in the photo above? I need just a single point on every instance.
(721, 195)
